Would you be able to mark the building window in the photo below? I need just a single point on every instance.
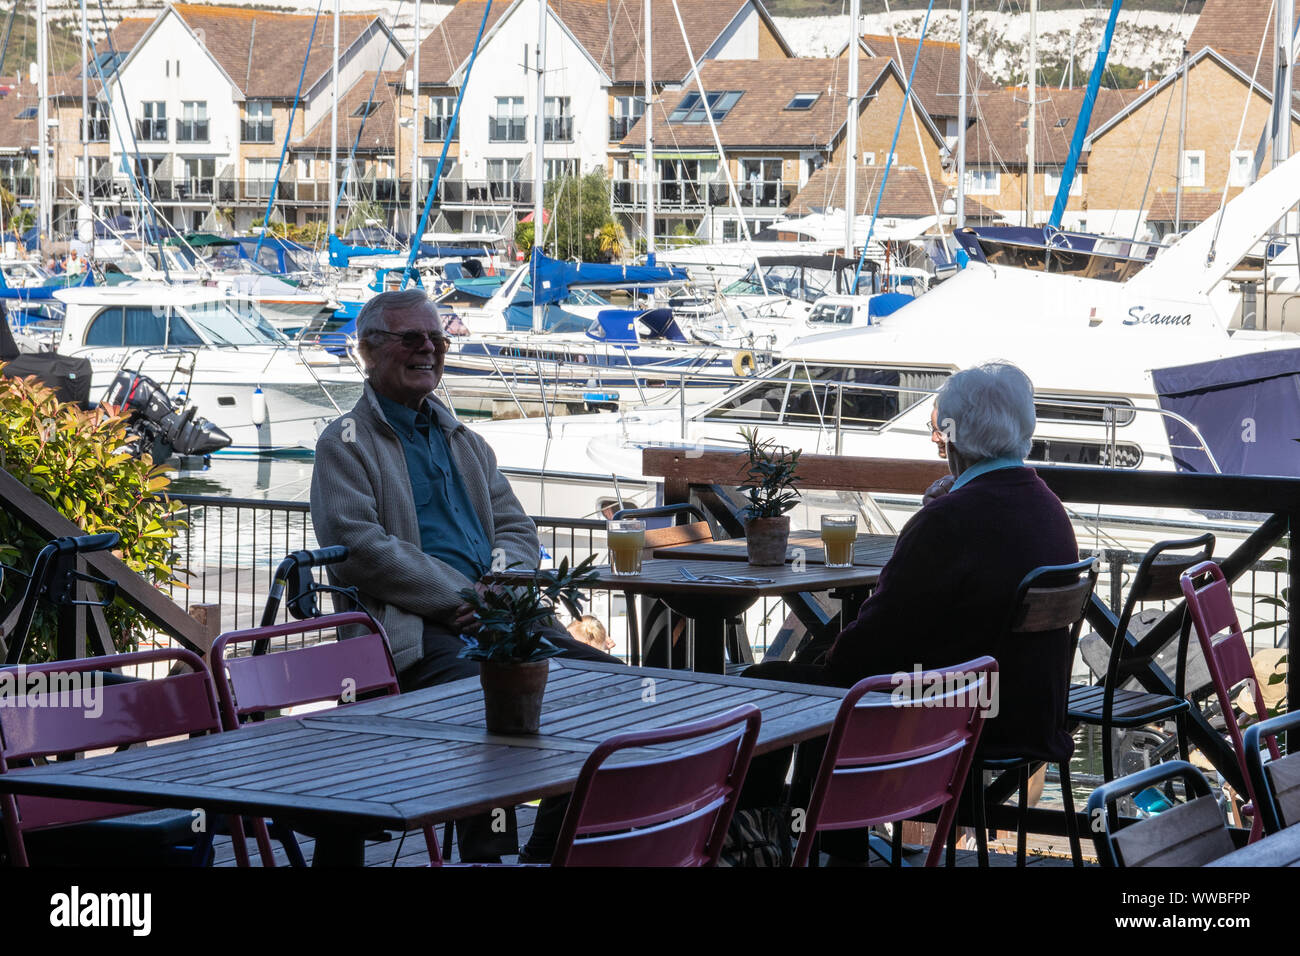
(1052, 183)
(760, 183)
(509, 125)
(258, 126)
(627, 110)
(437, 122)
(199, 173)
(1241, 164)
(260, 175)
(29, 113)
(803, 101)
(96, 130)
(365, 109)
(691, 108)
(983, 182)
(152, 125)
(504, 170)
(192, 127)
(1194, 167)
(557, 125)
(560, 168)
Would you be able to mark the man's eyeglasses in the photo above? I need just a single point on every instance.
(414, 339)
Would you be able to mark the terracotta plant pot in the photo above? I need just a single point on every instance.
(512, 695)
(766, 539)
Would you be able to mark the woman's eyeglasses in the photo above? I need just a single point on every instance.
(414, 339)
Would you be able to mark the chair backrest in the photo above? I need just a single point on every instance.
(330, 670)
(1276, 782)
(1227, 658)
(1054, 597)
(1190, 834)
(634, 807)
(900, 745)
(80, 711)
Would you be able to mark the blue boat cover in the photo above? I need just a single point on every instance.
(340, 252)
(553, 277)
(887, 303)
(661, 324)
(1246, 408)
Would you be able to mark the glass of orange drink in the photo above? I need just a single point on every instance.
(626, 538)
(838, 535)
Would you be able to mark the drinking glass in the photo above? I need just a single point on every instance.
(838, 535)
(626, 542)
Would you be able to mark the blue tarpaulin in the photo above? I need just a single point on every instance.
(1246, 408)
(553, 277)
(340, 252)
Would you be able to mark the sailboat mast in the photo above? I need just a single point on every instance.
(961, 117)
(1283, 30)
(649, 120)
(85, 107)
(43, 120)
(539, 158)
(851, 131)
(1182, 143)
(1031, 145)
(416, 132)
(334, 127)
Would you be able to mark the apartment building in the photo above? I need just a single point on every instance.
(595, 91)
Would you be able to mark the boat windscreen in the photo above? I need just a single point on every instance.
(222, 325)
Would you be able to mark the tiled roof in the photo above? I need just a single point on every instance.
(263, 52)
(760, 117)
(17, 135)
(1000, 133)
(1235, 29)
(937, 73)
(610, 31)
(1197, 206)
(907, 196)
(377, 129)
(121, 40)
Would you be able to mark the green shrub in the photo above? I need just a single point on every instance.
(73, 460)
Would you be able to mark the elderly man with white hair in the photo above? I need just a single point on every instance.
(945, 595)
(418, 501)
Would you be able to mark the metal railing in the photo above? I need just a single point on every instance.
(151, 130)
(558, 129)
(436, 128)
(504, 129)
(619, 125)
(191, 131)
(98, 130)
(689, 194)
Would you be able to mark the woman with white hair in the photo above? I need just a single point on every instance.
(945, 595)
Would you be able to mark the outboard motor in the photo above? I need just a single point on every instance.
(158, 426)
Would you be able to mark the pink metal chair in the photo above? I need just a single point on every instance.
(891, 759)
(133, 712)
(250, 686)
(1228, 661)
(673, 809)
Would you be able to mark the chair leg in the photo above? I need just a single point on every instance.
(1071, 821)
(431, 841)
(240, 841)
(981, 823)
(263, 838)
(1180, 728)
(951, 855)
(448, 831)
(1107, 753)
(1022, 836)
(897, 841)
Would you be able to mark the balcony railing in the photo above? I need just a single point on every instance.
(24, 187)
(191, 131)
(619, 125)
(683, 194)
(256, 131)
(98, 130)
(502, 129)
(436, 128)
(558, 129)
(195, 187)
(151, 130)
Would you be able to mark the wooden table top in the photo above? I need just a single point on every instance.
(869, 550)
(424, 756)
(1280, 849)
(664, 575)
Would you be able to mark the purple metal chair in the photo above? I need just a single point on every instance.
(250, 686)
(135, 712)
(888, 760)
(634, 807)
(1228, 661)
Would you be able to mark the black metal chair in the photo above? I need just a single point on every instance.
(1111, 705)
(1192, 833)
(1277, 782)
(1048, 599)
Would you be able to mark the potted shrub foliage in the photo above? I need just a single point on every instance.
(513, 655)
(770, 484)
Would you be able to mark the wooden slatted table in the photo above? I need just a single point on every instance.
(421, 757)
(1280, 849)
(710, 603)
(869, 550)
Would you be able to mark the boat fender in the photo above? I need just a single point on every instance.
(743, 364)
(257, 410)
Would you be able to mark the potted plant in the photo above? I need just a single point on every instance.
(509, 644)
(770, 484)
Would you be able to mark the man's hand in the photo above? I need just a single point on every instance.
(938, 489)
(464, 621)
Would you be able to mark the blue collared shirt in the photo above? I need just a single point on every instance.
(449, 526)
(984, 467)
